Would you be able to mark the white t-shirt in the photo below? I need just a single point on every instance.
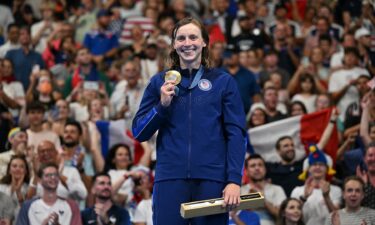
(39, 211)
(315, 210)
(143, 212)
(273, 194)
(308, 101)
(340, 79)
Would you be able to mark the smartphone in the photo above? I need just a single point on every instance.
(91, 85)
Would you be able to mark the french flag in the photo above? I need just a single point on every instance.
(304, 130)
(115, 132)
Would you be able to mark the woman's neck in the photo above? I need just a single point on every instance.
(191, 66)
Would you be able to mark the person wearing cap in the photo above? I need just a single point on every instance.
(367, 54)
(319, 196)
(280, 12)
(101, 42)
(17, 138)
(200, 119)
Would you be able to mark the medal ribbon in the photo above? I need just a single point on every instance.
(197, 78)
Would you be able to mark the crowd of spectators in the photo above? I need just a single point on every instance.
(66, 66)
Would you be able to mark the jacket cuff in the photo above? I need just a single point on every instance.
(234, 178)
(162, 110)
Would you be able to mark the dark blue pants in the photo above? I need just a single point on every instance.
(168, 196)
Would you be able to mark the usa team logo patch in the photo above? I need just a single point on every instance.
(205, 85)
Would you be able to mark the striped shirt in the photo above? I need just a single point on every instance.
(354, 218)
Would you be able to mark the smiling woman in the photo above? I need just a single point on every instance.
(200, 143)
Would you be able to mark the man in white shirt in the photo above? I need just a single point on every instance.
(273, 194)
(70, 184)
(12, 43)
(341, 82)
(49, 209)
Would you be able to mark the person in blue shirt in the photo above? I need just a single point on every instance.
(104, 211)
(200, 121)
(24, 59)
(247, 85)
(101, 42)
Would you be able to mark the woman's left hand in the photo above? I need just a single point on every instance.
(231, 195)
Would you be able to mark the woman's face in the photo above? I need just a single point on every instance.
(17, 168)
(306, 85)
(122, 158)
(253, 58)
(96, 107)
(322, 102)
(293, 211)
(258, 118)
(63, 109)
(7, 68)
(296, 110)
(189, 44)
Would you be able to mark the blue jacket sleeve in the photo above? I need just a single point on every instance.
(234, 125)
(151, 114)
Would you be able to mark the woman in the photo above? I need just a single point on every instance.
(118, 164)
(308, 92)
(15, 95)
(297, 108)
(16, 180)
(201, 129)
(290, 212)
(258, 117)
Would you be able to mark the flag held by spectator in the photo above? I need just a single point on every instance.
(304, 130)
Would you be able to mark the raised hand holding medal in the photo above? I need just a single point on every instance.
(169, 89)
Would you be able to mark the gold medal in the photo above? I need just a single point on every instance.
(174, 76)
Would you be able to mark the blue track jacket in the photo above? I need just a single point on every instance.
(201, 133)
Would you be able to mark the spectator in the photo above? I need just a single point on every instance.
(353, 212)
(35, 113)
(101, 42)
(273, 194)
(258, 117)
(270, 65)
(336, 61)
(69, 183)
(280, 12)
(17, 138)
(297, 108)
(41, 31)
(367, 54)
(118, 165)
(85, 71)
(24, 59)
(341, 82)
(86, 161)
(286, 172)
(319, 196)
(13, 94)
(308, 91)
(270, 99)
(222, 16)
(143, 187)
(290, 212)
(13, 31)
(247, 85)
(104, 210)
(128, 92)
(41, 89)
(6, 17)
(7, 210)
(60, 115)
(368, 176)
(16, 180)
(49, 209)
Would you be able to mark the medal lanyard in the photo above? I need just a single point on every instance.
(197, 78)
